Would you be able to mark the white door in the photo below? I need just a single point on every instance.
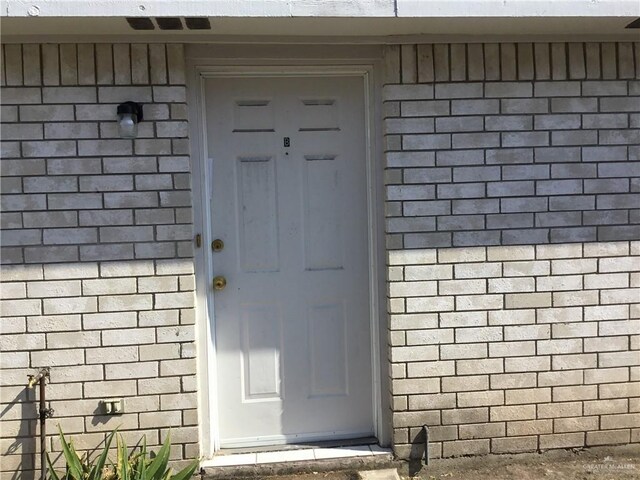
(289, 203)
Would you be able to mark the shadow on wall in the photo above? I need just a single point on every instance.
(108, 329)
(24, 442)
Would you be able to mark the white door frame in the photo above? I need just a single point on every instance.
(201, 178)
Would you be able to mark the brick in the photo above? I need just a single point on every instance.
(169, 94)
(575, 330)
(106, 252)
(479, 302)
(415, 386)
(110, 388)
(514, 445)
(465, 447)
(567, 394)
(23, 341)
(513, 380)
(177, 367)
(50, 219)
(620, 421)
(426, 142)
(462, 319)
(617, 264)
(473, 367)
(69, 305)
(510, 413)
(448, 287)
(527, 364)
(177, 334)
(125, 302)
(56, 358)
(575, 298)
(600, 407)
(74, 236)
(612, 437)
(559, 315)
(464, 415)
(568, 362)
(565, 440)
(54, 289)
(105, 217)
(606, 375)
(67, 271)
(464, 351)
(439, 400)
(617, 359)
(465, 383)
(527, 300)
(430, 369)
(73, 340)
(100, 321)
(512, 349)
(619, 390)
(159, 352)
(109, 286)
(475, 107)
(130, 200)
(549, 347)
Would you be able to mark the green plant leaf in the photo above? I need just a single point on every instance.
(143, 460)
(123, 460)
(159, 464)
(52, 473)
(186, 472)
(102, 459)
(74, 466)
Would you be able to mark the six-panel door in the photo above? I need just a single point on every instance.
(289, 201)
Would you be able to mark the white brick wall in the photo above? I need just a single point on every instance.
(513, 194)
(96, 246)
(512, 235)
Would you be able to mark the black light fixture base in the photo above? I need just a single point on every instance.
(131, 107)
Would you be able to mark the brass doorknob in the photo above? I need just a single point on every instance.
(217, 245)
(219, 282)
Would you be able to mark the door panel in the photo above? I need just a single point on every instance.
(292, 326)
(322, 220)
(257, 215)
(261, 347)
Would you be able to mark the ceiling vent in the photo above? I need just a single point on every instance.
(634, 24)
(169, 23)
(198, 23)
(140, 23)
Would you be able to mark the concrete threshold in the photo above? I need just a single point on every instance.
(298, 461)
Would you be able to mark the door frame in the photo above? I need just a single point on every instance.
(201, 179)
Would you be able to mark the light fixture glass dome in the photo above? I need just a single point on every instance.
(129, 114)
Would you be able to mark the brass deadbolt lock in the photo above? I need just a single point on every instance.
(217, 245)
(219, 282)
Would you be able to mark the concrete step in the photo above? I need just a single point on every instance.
(385, 474)
(348, 464)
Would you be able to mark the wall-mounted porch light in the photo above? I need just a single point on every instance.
(129, 114)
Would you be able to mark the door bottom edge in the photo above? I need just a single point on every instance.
(280, 442)
(305, 456)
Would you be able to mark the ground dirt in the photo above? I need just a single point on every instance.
(590, 464)
(618, 463)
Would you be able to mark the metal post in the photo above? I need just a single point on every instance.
(43, 430)
(43, 413)
(426, 444)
